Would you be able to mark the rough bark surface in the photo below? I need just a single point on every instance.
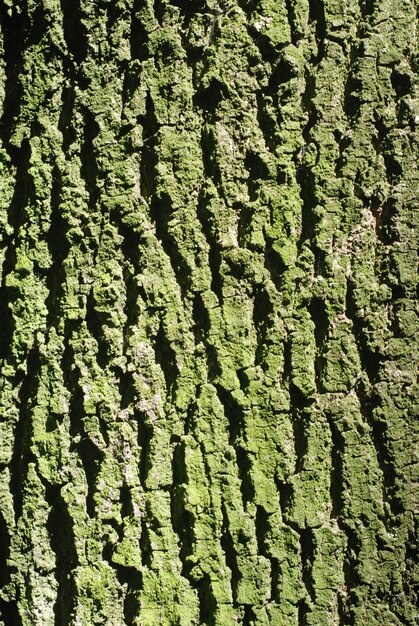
(207, 312)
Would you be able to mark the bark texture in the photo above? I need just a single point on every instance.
(207, 312)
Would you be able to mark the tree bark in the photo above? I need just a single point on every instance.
(208, 312)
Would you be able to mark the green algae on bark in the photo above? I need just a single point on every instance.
(207, 252)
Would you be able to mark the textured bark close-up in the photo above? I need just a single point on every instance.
(208, 314)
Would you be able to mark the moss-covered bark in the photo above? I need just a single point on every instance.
(207, 312)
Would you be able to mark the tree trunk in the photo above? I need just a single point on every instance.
(207, 312)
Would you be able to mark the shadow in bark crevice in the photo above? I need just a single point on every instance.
(300, 412)
(317, 16)
(166, 358)
(68, 97)
(249, 616)
(149, 150)
(337, 475)
(200, 318)
(23, 433)
(75, 33)
(262, 310)
(227, 544)
(145, 435)
(303, 612)
(308, 193)
(94, 325)
(89, 168)
(132, 601)
(130, 578)
(5, 537)
(183, 522)
(161, 212)
(209, 98)
(207, 219)
(88, 451)
(379, 435)
(16, 216)
(91, 458)
(60, 529)
(307, 558)
(9, 613)
(14, 30)
(236, 420)
(207, 601)
(59, 247)
(352, 578)
(263, 530)
(138, 34)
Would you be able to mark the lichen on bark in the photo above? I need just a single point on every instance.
(208, 313)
